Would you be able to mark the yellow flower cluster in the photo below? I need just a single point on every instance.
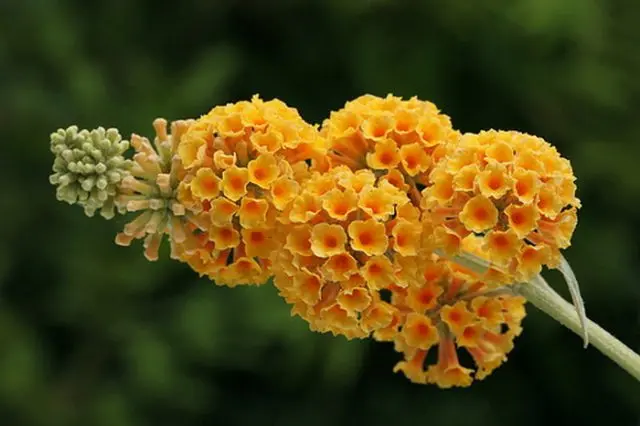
(356, 222)
(389, 134)
(242, 164)
(452, 308)
(514, 190)
(348, 235)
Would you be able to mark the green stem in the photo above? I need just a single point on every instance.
(542, 296)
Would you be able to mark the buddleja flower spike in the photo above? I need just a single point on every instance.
(385, 223)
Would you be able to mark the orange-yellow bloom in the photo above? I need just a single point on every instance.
(258, 242)
(414, 158)
(253, 212)
(299, 240)
(243, 166)
(419, 332)
(479, 214)
(339, 267)
(263, 170)
(234, 182)
(376, 202)
(385, 155)
(453, 311)
(457, 317)
(378, 272)
(339, 204)
(205, 185)
(224, 237)
(526, 185)
(283, 191)
(222, 211)
(494, 181)
(368, 236)
(328, 240)
(509, 188)
(388, 134)
(502, 245)
(353, 258)
(406, 237)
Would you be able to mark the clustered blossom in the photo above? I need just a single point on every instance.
(243, 163)
(511, 188)
(359, 223)
(403, 137)
(348, 236)
(451, 309)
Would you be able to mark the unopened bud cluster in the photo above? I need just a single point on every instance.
(89, 167)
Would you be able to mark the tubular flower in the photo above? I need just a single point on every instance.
(389, 134)
(349, 235)
(244, 163)
(89, 166)
(152, 190)
(452, 310)
(511, 188)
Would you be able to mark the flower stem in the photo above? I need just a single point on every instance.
(542, 296)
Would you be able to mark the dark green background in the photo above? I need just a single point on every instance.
(93, 334)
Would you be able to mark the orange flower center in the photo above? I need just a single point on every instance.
(209, 183)
(426, 297)
(522, 188)
(259, 174)
(411, 161)
(341, 262)
(244, 266)
(495, 182)
(423, 330)
(375, 269)
(375, 207)
(252, 206)
(330, 241)
(483, 311)
(237, 183)
(386, 158)
(226, 234)
(517, 218)
(366, 239)
(379, 131)
(529, 255)
(340, 208)
(501, 241)
(481, 213)
(257, 237)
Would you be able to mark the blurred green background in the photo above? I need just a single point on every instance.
(93, 334)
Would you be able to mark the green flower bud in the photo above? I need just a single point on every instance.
(88, 168)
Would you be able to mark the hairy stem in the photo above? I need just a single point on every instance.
(542, 296)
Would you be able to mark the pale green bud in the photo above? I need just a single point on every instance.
(88, 167)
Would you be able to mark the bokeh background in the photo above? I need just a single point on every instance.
(93, 334)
